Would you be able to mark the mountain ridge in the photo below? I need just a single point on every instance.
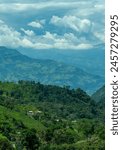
(99, 95)
(15, 66)
(88, 60)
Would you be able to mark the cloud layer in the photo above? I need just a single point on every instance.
(10, 37)
(69, 24)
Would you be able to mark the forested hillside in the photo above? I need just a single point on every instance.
(34, 116)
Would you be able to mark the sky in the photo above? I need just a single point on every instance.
(52, 24)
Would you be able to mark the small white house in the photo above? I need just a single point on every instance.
(30, 113)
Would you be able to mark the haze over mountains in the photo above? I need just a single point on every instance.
(99, 95)
(91, 60)
(15, 66)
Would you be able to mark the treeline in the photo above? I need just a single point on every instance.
(34, 116)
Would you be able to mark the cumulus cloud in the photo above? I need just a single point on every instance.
(28, 32)
(83, 22)
(9, 36)
(72, 22)
(37, 24)
(67, 41)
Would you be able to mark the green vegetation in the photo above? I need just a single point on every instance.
(5, 143)
(34, 116)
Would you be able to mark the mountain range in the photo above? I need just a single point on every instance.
(90, 60)
(15, 66)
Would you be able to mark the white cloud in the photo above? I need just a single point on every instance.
(37, 24)
(1, 22)
(28, 32)
(67, 41)
(20, 7)
(12, 38)
(78, 17)
(26, 43)
(100, 36)
(8, 36)
(72, 22)
(99, 7)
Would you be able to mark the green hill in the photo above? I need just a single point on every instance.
(34, 116)
(14, 66)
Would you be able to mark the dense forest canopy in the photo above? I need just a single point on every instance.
(36, 116)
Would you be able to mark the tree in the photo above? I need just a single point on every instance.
(30, 139)
(1, 92)
(65, 136)
(5, 129)
(5, 143)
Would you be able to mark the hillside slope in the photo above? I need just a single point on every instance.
(45, 117)
(99, 95)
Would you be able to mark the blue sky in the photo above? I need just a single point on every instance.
(48, 24)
